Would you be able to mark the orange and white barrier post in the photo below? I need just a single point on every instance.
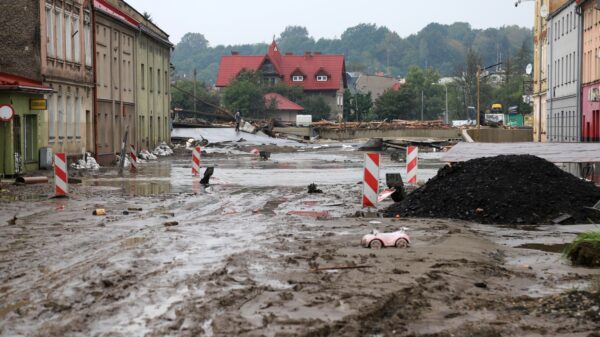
(371, 180)
(196, 161)
(61, 176)
(132, 158)
(412, 164)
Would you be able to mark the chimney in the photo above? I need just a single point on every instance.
(307, 54)
(235, 53)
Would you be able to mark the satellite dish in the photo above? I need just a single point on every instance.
(529, 69)
(544, 12)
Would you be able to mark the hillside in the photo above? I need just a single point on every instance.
(369, 48)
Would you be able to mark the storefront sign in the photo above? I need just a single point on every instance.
(38, 104)
(6, 113)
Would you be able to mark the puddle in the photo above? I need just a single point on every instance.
(544, 247)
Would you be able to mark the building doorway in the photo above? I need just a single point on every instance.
(30, 139)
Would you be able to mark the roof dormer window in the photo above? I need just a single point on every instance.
(322, 78)
(297, 78)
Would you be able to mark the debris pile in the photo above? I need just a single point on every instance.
(383, 125)
(502, 190)
(87, 163)
(146, 155)
(163, 150)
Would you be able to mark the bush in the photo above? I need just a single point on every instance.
(585, 250)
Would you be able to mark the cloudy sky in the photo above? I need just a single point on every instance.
(251, 21)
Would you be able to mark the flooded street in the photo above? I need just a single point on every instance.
(241, 257)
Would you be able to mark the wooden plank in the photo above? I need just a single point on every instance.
(553, 152)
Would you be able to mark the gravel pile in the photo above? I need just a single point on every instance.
(502, 190)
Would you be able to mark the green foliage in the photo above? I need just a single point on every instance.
(315, 106)
(182, 96)
(588, 237)
(394, 104)
(419, 96)
(369, 48)
(246, 96)
(357, 106)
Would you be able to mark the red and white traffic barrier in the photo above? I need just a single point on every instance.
(61, 176)
(371, 180)
(412, 164)
(196, 161)
(132, 158)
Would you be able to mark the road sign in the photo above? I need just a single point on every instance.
(6, 113)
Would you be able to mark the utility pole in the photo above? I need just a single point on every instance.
(447, 113)
(478, 96)
(422, 105)
(194, 89)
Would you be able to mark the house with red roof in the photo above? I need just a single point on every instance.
(318, 74)
(284, 109)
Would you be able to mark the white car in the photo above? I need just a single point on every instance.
(377, 240)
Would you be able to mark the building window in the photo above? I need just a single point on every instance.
(69, 117)
(322, 78)
(49, 31)
(143, 73)
(150, 80)
(61, 117)
(76, 40)
(297, 78)
(59, 33)
(78, 113)
(88, 38)
(51, 117)
(158, 81)
(68, 37)
(166, 83)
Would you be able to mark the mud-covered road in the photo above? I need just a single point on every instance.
(239, 263)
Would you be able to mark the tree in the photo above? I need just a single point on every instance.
(370, 48)
(357, 106)
(245, 95)
(394, 104)
(316, 106)
(182, 96)
(295, 39)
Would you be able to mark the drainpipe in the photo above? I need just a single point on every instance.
(550, 76)
(95, 91)
(542, 66)
(578, 11)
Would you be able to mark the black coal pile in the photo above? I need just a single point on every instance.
(502, 190)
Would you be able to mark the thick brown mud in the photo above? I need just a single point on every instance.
(247, 259)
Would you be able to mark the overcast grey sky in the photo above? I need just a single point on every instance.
(251, 21)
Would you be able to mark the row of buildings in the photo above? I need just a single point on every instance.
(567, 71)
(78, 74)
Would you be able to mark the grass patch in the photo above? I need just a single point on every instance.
(585, 250)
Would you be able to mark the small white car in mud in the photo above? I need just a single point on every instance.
(377, 240)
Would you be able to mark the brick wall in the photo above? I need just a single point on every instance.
(20, 36)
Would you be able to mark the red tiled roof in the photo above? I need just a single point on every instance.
(14, 82)
(286, 65)
(282, 102)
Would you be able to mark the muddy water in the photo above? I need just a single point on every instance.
(326, 166)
